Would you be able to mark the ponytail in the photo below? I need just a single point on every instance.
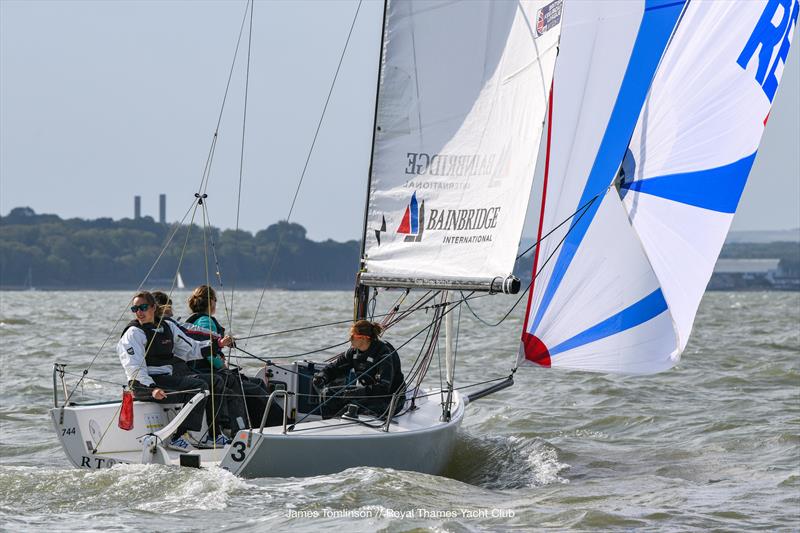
(366, 328)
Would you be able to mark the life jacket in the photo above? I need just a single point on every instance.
(159, 345)
(201, 336)
(373, 359)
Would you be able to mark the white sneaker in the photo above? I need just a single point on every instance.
(179, 443)
(209, 442)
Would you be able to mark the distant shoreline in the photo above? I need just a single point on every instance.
(47, 253)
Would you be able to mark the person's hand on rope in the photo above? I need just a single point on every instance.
(225, 341)
(158, 394)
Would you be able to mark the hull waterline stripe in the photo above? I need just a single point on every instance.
(715, 189)
(645, 309)
(654, 33)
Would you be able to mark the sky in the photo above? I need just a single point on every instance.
(102, 101)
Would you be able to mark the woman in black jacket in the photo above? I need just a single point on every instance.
(375, 365)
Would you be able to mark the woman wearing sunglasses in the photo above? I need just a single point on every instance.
(154, 352)
(376, 367)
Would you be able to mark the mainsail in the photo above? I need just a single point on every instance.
(621, 293)
(460, 112)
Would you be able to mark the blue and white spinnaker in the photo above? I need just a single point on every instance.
(684, 89)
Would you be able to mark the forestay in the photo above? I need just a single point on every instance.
(622, 293)
(461, 105)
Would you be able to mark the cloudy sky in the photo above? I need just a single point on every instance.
(101, 101)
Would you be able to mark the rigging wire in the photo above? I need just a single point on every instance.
(178, 225)
(436, 320)
(228, 314)
(584, 209)
(305, 167)
(581, 208)
(241, 161)
(324, 324)
(212, 386)
(207, 169)
(192, 208)
(176, 228)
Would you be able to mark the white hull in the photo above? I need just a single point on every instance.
(417, 440)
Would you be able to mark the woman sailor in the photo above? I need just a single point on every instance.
(153, 353)
(376, 367)
(203, 304)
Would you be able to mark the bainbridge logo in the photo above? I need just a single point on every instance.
(413, 223)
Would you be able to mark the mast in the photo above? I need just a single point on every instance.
(449, 334)
(361, 295)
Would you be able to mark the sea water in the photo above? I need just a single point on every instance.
(711, 444)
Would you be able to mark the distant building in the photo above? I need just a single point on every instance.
(732, 274)
(162, 208)
(137, 207)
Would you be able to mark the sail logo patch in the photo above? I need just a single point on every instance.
(548, 17)
(765, 37)
(413, 222)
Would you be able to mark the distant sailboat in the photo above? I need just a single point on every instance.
(29, 281)
(179, 282)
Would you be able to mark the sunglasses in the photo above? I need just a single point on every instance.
(140, 307)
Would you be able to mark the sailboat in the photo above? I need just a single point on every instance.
(29, 280)
(647, 140)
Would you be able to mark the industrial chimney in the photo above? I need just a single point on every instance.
(162, 208)
(137, 207)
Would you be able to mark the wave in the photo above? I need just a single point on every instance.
(506, 462)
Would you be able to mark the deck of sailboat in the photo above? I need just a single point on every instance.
(424, 417)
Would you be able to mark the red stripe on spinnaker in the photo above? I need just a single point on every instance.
(525, 334)
(535, 350)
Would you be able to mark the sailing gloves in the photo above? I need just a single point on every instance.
(320, 380)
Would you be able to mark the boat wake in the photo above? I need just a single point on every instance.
(506, 462)
(149, 488)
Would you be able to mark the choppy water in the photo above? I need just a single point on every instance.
(711, 444)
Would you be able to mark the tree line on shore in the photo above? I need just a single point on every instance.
(45, 251)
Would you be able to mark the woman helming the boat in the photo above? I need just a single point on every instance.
(153, 353)
(376, 366)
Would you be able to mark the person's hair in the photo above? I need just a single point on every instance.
(200, 300)
(150, 299)
(365, 327)
(164, 302)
